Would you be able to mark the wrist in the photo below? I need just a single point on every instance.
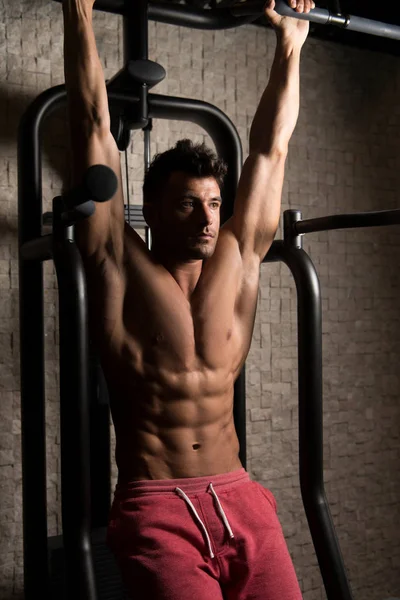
(287, 46)
(77, 10)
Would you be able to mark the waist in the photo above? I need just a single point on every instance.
(190, 485)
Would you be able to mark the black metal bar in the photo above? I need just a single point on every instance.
(135, 28)
(147, 161)
(310, 418)
(386, 30)
(100, 442)
(351, 22)
(185, 16)
(37, 249)
(74, 411)
(147, 145)
(178, 14)
(367, 219)
(239, 414)
(256, 7)
(31, 312)
(228, 145)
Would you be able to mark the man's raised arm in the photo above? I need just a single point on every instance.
(89, 123)
(258, 201)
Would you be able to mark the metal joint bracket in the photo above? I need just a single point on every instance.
(339, 20)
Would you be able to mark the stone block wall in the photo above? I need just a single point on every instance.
(344, 157)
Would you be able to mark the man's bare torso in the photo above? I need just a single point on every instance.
(171, 360)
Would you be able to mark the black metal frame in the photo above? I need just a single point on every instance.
(74, 364)
(33, 249)
(309, 324)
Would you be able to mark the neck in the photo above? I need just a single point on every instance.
(185, 272)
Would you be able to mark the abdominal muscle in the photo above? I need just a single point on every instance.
(171, 435)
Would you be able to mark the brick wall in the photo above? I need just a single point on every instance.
(344, 157)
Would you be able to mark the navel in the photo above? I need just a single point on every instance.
(157, 339)
(196, 446)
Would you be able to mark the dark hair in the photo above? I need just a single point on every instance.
(193, 159)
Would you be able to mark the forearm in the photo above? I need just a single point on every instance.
(86, 90)
(278, 110)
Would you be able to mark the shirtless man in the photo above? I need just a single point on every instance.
(173, 327)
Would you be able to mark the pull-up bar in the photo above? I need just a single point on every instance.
(323, 17)
(181, 14)
(241, 13)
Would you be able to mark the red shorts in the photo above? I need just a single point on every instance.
(176, 539)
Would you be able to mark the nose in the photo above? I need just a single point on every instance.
(205, 216)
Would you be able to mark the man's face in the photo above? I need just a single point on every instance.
(187, 217)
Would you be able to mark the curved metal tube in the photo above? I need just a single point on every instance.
(226, 138)
(209, 117)
(386, 30)
(185, 16)
(74, 418)
(182, 15)
(309, 323)
(247, 12)
(37, 249)
(323, 16)
(31, 313)
(367, 219)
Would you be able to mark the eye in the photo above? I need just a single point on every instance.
(215, 205)
(187, 204)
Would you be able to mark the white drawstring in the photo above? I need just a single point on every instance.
(182, 494)
(221, 511)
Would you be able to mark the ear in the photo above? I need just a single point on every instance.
(150, 214)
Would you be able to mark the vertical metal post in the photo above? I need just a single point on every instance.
(74, 411)
(33, 434)
(147, 161)
(100, 442)
(309, 324)
(31, 311)
(239, 414)
(135, 26)
(239, 390)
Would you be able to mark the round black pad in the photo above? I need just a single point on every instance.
(146, 71)
(100, 182)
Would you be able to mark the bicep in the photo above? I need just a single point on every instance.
(105, 228)
(257, 205)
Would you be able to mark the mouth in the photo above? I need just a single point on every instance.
(205, 236)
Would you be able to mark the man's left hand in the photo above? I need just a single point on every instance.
(290, 29)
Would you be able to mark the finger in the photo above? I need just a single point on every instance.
(299, 6)
(268, 7)
(309, 5)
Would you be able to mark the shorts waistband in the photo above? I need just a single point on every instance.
(189, 484)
